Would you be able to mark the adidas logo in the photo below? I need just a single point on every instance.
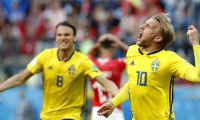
(50, 68)
(132, 63)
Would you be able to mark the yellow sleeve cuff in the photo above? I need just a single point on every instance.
(196, 46)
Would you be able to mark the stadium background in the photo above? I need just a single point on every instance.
(27, 27)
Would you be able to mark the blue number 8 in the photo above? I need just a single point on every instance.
(59, 82)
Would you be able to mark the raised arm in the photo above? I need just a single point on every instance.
(16, 80)
(194, 74)
(119, 43)
(94, 50)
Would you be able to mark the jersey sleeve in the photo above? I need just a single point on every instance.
(36, 65)
(193, 74)
(90, 69)
(122, 96)
(179, 66)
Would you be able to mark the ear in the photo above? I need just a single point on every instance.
(74, 39)
(158, 38)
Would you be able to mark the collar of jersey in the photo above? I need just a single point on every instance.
(142, 53)
(68, 58)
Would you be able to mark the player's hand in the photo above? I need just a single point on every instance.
(116, 41)
(102, 38)
(192, 33)
(106, 109)
(113, 38)
(109, 37)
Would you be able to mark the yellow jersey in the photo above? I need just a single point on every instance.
(64, 83)
(151, 79)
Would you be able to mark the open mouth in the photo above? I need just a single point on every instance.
(140, 35)
(63, 43)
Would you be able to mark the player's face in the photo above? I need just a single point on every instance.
(65, 37)
(148, 32)
(108, 52)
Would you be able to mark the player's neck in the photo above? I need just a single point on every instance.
(150, 49)
(65, 54)
(106, 55)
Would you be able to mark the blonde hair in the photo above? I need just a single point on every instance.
(166, 29)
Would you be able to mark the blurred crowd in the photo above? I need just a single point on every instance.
(28, 26)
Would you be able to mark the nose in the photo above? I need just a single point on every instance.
(62, 37)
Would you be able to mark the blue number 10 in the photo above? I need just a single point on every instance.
(142, 78)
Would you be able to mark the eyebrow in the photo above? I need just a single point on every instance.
(149, 25)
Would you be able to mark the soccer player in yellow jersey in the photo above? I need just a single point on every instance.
(64, 77)
(152, 71)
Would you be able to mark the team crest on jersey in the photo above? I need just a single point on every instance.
(71, 70)
(155, 65)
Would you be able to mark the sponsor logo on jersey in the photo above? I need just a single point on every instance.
(71, 70)
(155, 66)
(50, 68)
(132, 63)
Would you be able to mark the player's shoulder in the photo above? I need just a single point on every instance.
(168, 53)
(173, 56)
(50, 50)
(80, 56)
(133, 47)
